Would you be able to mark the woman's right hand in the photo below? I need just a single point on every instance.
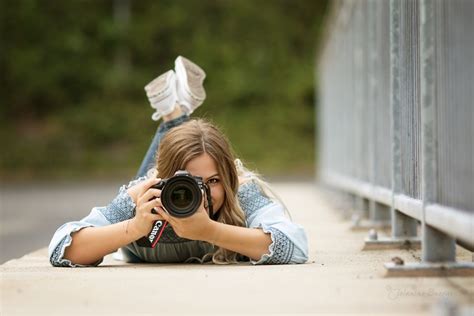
(145, 198)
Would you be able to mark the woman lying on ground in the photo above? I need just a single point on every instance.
(239, 219)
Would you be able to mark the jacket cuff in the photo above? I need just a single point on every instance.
(57, 257)
(280, 250)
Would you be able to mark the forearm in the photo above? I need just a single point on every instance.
(90, 244)
(249, 242)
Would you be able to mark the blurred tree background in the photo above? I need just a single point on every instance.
(73, 72)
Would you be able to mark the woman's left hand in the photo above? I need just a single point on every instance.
(195, 227)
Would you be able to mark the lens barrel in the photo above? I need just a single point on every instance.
(181, 195)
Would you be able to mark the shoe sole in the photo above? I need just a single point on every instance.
(195, 77)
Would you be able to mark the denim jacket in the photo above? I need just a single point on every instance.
(289, 241)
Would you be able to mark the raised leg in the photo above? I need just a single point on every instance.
(169, 121)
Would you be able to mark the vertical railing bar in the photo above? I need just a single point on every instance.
(370, 100)
(395, 106)
(402, 225)
(436, 246)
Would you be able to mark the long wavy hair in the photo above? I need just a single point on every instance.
(190, 140)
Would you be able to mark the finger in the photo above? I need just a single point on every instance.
(143, 186)
(204, 205)
(146, 196)
(148, 206)
(147, 184)
(163, 213)
(149, 195)
(157, 217)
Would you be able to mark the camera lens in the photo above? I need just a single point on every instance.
(181, 197)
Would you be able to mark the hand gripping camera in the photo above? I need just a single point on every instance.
(181, 196)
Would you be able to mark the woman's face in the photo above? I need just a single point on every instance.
(204, 166)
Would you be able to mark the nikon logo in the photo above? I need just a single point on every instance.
(154, 231)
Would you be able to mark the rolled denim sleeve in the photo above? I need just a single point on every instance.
(120, 209)
(289, 241)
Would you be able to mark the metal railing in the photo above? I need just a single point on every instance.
(396, 81)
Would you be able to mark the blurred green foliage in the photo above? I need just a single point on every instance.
(73, 72)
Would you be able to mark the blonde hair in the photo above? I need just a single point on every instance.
(190, 140)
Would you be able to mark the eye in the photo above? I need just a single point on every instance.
(213, 181)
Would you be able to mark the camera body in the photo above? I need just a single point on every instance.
(181, 196)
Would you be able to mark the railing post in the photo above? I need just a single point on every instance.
(436, 246)
(402, 225)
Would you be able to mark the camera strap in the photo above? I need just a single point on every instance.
(152, 238)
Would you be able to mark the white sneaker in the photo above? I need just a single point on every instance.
(189, 82)
(161, 93)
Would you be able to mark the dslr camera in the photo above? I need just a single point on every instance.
(181, 196)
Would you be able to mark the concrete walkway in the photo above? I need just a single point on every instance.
(338, 278)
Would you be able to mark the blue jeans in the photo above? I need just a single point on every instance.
(149, 160)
